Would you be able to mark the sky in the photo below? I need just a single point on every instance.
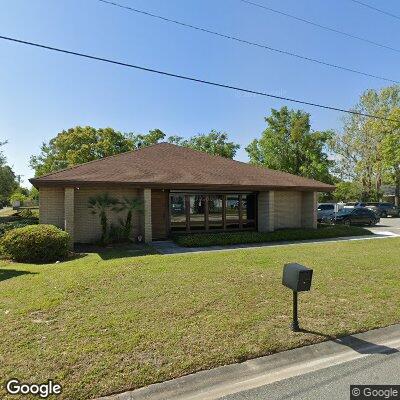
(42, 93)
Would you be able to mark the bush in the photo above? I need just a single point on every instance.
(228, 238)
(35, 243)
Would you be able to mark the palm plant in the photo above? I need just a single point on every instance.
(129, 205)
(99, 206)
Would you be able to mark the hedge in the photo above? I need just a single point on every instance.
(229, 238)
(35, 243)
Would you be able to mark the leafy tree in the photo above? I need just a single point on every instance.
(288, 144)
(215, 143)
(99, 205)
(8, 179)
(78, 145)
(347, 191)
(359, 148)
(390, 152)
(142, 140)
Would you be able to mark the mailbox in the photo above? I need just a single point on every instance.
(297, 277)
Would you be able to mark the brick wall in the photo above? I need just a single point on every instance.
(51, 206)
(87, 225)
(287, 209)
(309, 210)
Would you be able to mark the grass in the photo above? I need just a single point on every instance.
(100, 325)
(229, 238)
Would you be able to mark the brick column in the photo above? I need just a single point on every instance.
(69, 208)
(265, 207)
(309, 210)
(148, 236)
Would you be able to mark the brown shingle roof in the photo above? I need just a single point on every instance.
(168, 166)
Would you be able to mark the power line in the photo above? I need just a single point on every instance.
(376, 9)
(328, 28)
(247, 42)
(189, 78)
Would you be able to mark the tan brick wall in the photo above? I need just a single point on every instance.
(51, 206)
(287, 209)
(266, 211)
(87, 225)
(309, 209)
(147, 227)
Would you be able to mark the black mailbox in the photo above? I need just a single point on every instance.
(297, 277)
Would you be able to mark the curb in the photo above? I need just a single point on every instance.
(233, 378)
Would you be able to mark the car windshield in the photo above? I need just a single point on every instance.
(325, 207)
(351, 204)
(345, 211)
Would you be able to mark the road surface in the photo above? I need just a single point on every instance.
(331, 383)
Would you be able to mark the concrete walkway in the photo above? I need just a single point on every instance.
(168, 247)
(236, 378)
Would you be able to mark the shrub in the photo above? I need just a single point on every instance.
(35, 243)
(228, 238)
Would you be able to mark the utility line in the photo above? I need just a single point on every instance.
(243, 41)
(376, 9)
(192, 79)
(328, 28)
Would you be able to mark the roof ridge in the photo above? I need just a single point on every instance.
(98, 159)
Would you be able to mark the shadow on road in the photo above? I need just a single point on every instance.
(358, 345)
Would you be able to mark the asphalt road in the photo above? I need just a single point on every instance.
(331, 383)
(388, 225)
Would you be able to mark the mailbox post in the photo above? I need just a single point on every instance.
(297, 278)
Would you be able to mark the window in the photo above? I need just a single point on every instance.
(212, 212)
(215, 212)
(248, 210)
(232, 211)
(178, 212)
(196, 212)
(323, 207)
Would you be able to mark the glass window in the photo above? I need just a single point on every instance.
(215, 211)
(197, 216)
(232, 211)
(248, 210)
(178, 212)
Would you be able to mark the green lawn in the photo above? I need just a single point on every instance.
(105, 323)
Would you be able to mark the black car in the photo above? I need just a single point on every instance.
(384, 209)
(356, 216)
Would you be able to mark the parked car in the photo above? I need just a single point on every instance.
(354, 205)
(356, 216)
(326, 211)
(383, 209)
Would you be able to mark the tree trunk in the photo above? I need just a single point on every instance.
(397, 192)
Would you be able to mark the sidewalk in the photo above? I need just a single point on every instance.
(168, 247)
(234, 378)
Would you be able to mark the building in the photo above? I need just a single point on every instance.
(182, 190)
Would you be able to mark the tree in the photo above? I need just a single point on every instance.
(288, 144)
(8, 179)
(78, 145)
(215, 143)
(99, 206)
(390, 152)
(129, 205)
(142, 140)
(359, 148)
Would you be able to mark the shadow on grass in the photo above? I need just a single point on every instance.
(13, 273)
(113, 252)
(358, 345)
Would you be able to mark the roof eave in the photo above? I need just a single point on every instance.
(37, 182)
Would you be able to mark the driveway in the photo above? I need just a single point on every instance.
(387, 225)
